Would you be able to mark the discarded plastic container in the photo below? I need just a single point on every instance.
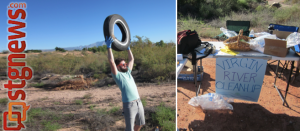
(293, 39)
(228, 33)
(251, 33)
(212, 101)
(258, 43)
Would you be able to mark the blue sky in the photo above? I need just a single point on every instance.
(69, 23)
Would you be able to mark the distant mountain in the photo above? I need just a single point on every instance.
(79, 47)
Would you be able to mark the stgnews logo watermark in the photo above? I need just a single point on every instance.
(16, 70)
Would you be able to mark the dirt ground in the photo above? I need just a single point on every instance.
(101, 98)
(268, 114)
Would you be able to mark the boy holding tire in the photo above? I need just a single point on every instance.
(132, 106)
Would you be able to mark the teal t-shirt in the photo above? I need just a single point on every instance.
(127, 85)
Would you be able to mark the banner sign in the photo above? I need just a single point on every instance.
(240, 78)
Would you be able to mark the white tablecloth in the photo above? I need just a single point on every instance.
(290, 56)
(180, 66)
(253, 54)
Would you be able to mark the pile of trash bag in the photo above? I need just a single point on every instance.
(212, 101)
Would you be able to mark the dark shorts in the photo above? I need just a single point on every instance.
(133, 112)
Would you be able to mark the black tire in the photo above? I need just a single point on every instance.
(108, 30)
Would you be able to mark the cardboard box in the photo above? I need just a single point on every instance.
(282, 34)
(277, 47)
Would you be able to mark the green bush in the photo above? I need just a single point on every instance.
(144, 102)
(60, 49)
(98, 49)
(78, 102)
(155, 60)
(37, 85)
(3, 101)
(5, 51)
(3, 64)
(113, 110)
(33, 51)
(99, 76)
(101, 111)
(165, 117)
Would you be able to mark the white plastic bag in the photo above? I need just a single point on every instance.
(258, 43)
(251, 34)
(228, 33)
(293, 39)
(211, 101)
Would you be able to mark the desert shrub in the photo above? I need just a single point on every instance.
(260, 17)
(3, 63)
(68, 64)
(113, 110)
(99, 76)
(49, 126)
(144, 101)
(33, 51)
(5, 51)
(3, 101)
(282, 15)
(78, 102)
(204, 30)
(93, 49)
(37, 85)
(60, 49)
(155, 60)
(87, 96)
(208, 9)
(97, 49)
(164, 117)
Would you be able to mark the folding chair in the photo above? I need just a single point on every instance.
(281, 28)
(284, 28)
(238, 25)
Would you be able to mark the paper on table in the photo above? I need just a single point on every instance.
(228, 51)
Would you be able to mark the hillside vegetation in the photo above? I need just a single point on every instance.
(152, 60)
(207, 16)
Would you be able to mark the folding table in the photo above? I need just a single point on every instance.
(291, 56)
